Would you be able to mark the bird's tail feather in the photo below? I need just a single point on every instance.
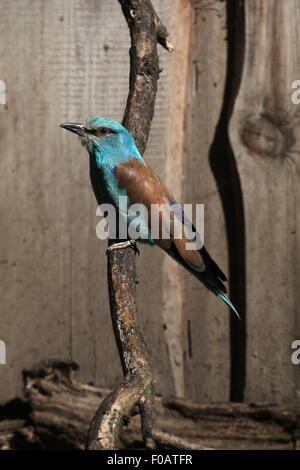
(227, 301)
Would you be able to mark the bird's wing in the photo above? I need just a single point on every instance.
(143, 185)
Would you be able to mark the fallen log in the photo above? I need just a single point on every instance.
(58, 409)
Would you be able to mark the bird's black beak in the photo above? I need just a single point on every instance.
(73, 127)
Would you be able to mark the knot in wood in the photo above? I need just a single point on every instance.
(263, 136)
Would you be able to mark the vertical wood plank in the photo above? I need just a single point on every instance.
(172, 308)
(34, 323)
(206, 319)
(265, 137)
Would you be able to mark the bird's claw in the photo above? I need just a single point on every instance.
(135, 247)
(118, 246)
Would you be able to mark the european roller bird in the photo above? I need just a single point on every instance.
(119, 173)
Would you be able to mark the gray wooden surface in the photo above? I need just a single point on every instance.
(64, 60)
(266, 120)
(207, 362)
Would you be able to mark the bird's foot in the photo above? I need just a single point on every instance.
(135, 247)
(118, 246)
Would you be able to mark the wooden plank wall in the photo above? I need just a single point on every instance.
(264, 133)
(68, 59)
(65, 60)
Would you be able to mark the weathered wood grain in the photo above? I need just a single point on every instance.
(264, 133)
(206, 325)
(172, 307)
(63, 61)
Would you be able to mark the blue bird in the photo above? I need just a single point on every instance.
(119, 173)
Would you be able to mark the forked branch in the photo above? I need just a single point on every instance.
(136, 393)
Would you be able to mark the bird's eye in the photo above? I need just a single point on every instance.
(102, 131)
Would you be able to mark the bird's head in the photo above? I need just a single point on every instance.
(103, 137)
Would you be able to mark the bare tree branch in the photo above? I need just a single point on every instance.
(164, 439)
(136, 392)
(162, 34)
(145, 30)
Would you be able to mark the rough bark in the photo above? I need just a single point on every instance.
(136, 393)
(145, 30)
